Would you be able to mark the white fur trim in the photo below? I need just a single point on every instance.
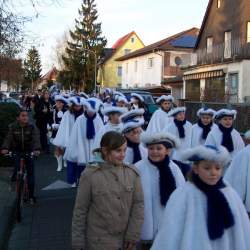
(132, 113)
(225, 112)
(61, 98)
(108, 110)
(165, 98)
(204, 111)
(75, 100)
(247, 135)
(131, 125)
(122, 99)
(149, 138)
(175, 111)
(220, 154)
(137, 96)
(84, 95)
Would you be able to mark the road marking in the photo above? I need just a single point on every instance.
(57, 185)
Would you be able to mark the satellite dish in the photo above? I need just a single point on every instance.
(178, 61)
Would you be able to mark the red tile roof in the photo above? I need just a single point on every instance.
(122, 40)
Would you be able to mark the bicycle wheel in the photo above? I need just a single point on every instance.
(19, 191)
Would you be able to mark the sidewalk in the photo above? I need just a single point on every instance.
(47, 225)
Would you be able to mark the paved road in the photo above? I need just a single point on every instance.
(47, 225)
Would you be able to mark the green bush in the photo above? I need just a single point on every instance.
(8, 113)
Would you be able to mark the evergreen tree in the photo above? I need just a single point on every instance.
(32, 67)
(87, 36)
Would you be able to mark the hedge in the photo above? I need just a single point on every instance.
(8, 113)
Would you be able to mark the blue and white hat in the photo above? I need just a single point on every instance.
(135, 95)
(84, 95)
(206, 111)
(225, 112)
(132, 114)
(165, 98)
(112, 110)
(160, 138)
(99, 103)
(91, 105)
(247, 135)
(122, 99)
(175, 111)
(60, 98)
(207, 152)
(77, 100)
(130, 125)
(116, 94)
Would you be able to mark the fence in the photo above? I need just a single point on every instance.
(242, 123)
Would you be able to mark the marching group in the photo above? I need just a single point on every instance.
(168, 186)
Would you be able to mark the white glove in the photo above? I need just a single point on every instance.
(55, 126)
(48, 127)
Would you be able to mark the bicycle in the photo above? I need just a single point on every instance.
(22, 188)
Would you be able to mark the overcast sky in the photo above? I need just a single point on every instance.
(151, 20)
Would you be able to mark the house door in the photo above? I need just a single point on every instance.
(233, 84)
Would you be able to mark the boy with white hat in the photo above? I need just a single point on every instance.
(238, 173)
(204, 125)
(160, 177)
(160, 118)
(205, 213)
(225, 134)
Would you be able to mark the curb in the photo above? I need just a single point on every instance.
(7, 217)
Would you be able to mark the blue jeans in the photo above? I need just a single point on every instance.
(74, 172)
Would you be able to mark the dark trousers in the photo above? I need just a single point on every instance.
(74, 172)
(43, 135)
(29, 163)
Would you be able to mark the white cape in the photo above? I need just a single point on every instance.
(196, 139)
(185, 142)
(215, 138)
(79, 148)
(238, 175)
(159, 121)
(184, 225)
(64, 131)
(153, 210)
(130, 154)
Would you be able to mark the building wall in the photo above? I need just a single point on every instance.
(143, 75)
(245, 90)
(110, 76)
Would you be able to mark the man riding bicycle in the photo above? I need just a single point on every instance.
(23, 140)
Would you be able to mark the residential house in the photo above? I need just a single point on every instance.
(159, 63)
(49, 77)
(110, 70)
(220, 71)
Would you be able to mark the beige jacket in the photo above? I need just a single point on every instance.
(109, 208)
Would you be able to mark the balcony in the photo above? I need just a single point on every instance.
(236, 50)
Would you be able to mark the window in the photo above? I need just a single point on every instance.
(127, 51)
(132, 39)
(136, 65)
(209, 45)
(150, 62)
(119, 71)
(227, 47)
(248, 32)
(218, 4)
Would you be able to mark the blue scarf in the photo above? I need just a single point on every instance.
(219, 215)
(180, 126)
(167, 181)
(136, 150)
(90, 126)
(205, 129)
(227, 140)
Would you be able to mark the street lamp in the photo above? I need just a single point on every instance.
(94, 53)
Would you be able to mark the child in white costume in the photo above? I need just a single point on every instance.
(224, 134)
(238, 173)
(160, 177)
(201, 129)
(160, 118)
(206, 213)
(182, 129)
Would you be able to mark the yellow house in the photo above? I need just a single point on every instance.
(110, 70)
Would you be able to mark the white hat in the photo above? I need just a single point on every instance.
(137, 96)
(206, 111)
(207, 152)
(247, 135)
(84, 95)
(225, 112)
(132, 114)
(175, 111)
(61, 98)
(117, 93)
(130, 125)
(77, 100)
(165, 98)
(158, 138)
(110, 110)
(99, 103)
(91, 105)
(122, 99)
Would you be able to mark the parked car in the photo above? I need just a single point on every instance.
(11, 100)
